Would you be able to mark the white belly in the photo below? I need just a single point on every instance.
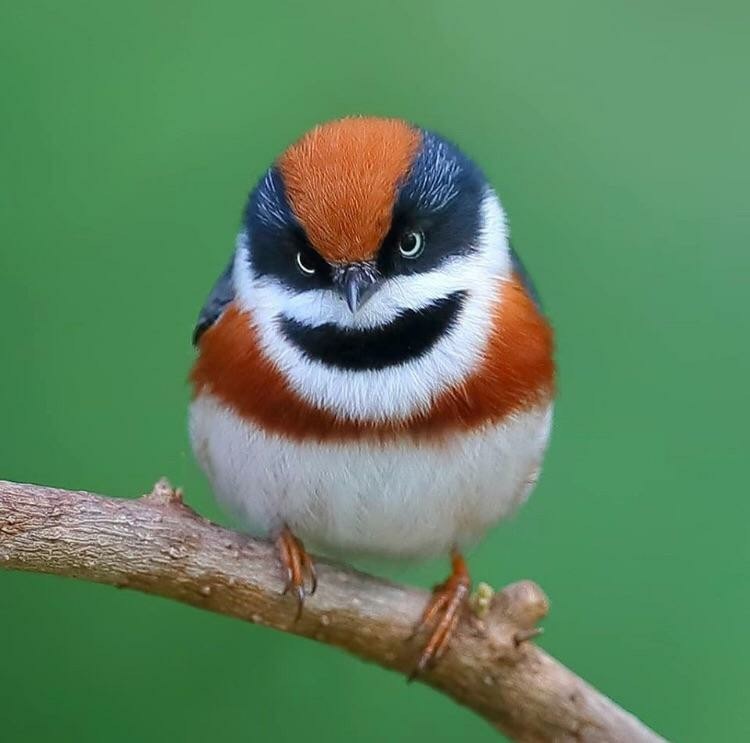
(395, 500)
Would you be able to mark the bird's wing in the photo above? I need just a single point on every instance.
(523, 274)
(221, 295)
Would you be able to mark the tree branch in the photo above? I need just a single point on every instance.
(158, 545)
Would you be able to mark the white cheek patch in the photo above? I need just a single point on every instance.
(392, 298)
(400, 391)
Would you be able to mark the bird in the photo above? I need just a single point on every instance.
(374, 375)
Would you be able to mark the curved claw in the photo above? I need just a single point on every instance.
(300, 591)
(313, 574)
(288, 583)
(297, 564)
(444, 611)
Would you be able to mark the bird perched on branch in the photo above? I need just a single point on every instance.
(374, 373)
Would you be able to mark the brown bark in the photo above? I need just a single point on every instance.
(158, 545)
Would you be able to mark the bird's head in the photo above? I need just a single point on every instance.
(372, 245)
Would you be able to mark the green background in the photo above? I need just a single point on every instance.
(617, 136)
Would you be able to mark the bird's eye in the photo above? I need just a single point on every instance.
(411, 244)
(304, 266)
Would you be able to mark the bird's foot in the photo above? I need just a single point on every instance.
(299, 568)
(442, 614)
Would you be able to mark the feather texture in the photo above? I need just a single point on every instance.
(411, 425)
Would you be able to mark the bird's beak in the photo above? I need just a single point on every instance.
(356, 283)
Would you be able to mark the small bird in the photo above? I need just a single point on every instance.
(375, 376)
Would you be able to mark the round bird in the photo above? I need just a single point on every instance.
(374, 373)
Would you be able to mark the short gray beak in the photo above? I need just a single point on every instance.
(356, 283)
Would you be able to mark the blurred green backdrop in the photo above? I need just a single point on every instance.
(617, 135)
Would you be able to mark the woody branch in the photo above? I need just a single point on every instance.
(157, 544)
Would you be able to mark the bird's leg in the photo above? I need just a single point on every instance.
(298, 565)
(443, 612)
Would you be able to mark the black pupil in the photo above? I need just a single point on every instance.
(409, 242)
